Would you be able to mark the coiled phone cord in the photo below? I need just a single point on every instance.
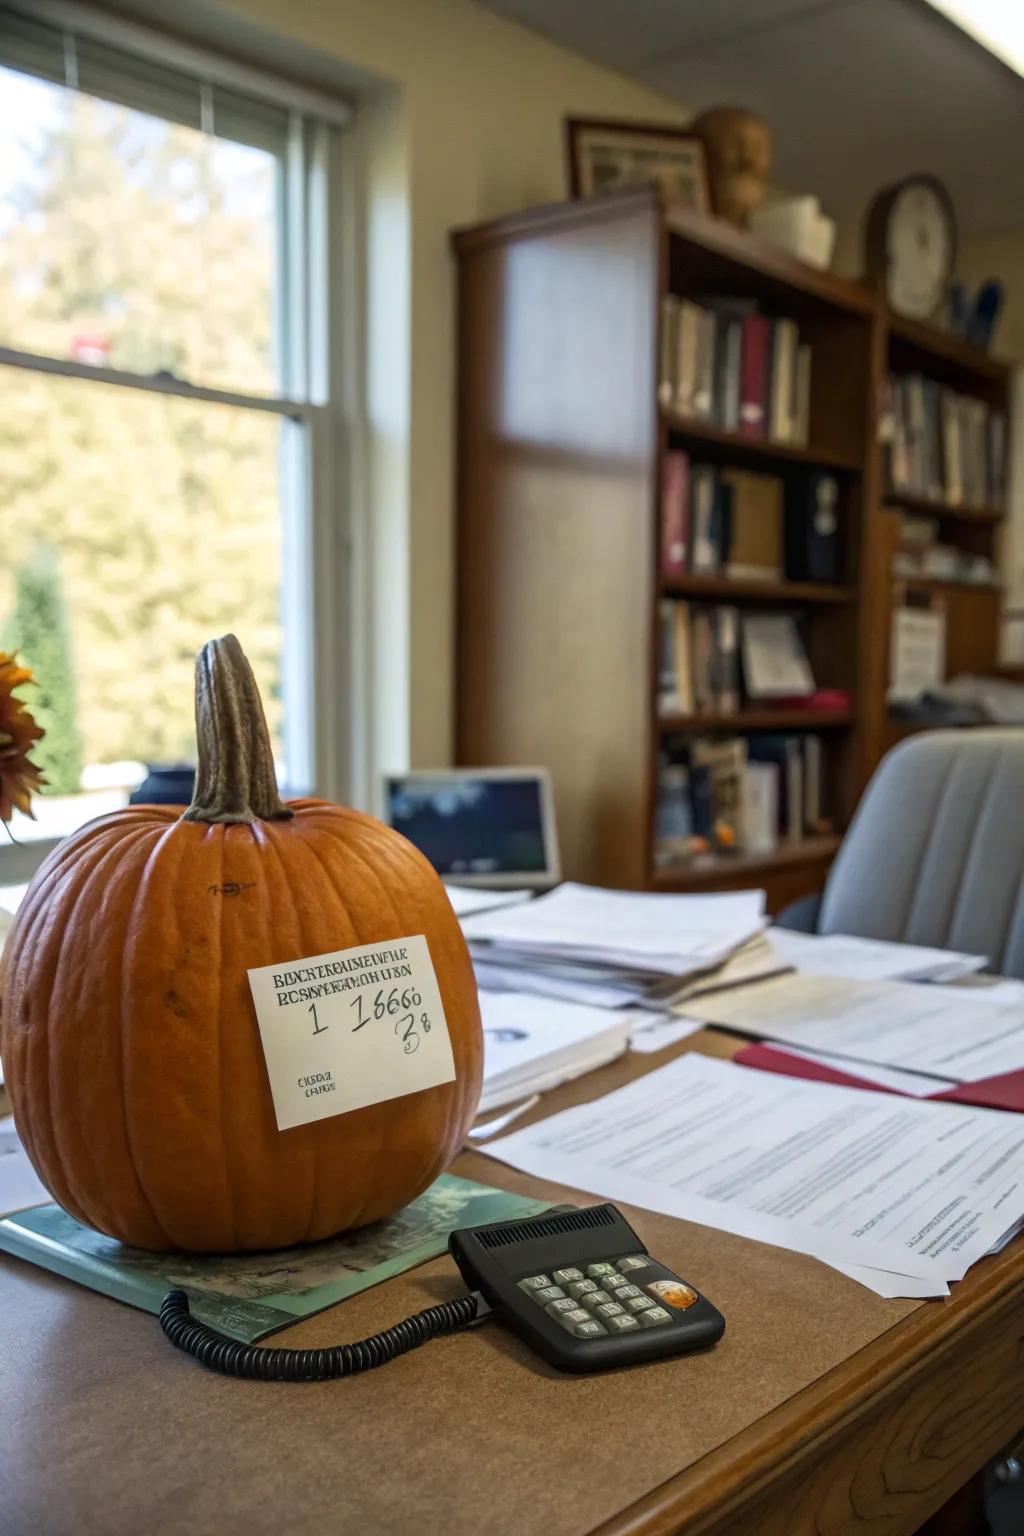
(256, 1363)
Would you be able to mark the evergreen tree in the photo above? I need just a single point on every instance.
(37, 629)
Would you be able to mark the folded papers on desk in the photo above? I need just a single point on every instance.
(611, 949)
(532, 1044)
(857, 959)
(950, 1033)
(903, 1195)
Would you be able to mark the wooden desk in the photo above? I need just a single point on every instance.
(824, 1410)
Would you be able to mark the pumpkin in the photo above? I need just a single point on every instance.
(128, 1032)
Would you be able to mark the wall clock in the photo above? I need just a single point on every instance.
(911, 245)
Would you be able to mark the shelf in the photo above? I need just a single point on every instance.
(940, 584)
(944, 347)
(716, 866)
(767, 260)
(760, 720)
(757, 452)
(925, 507)
(739, 589)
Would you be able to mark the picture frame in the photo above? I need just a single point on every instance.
(606, 154)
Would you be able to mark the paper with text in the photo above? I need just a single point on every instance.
(840, 954)
(850, 1176)
(942, 1031)
(351, 1028)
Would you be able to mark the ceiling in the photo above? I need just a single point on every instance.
(857, 92)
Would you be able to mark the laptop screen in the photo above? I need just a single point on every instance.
(475, 825)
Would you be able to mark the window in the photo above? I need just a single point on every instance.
(163, 267)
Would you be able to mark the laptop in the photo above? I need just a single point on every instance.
(490, 827)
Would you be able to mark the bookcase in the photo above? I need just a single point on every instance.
(561, 452)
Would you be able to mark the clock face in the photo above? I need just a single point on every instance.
(920, 250)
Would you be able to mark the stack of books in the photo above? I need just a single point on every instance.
(712, 658)
(727, 522)
(742, 795)
(725, 363)
(942, 446)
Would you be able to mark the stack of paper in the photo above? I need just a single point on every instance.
(951, 1033)
(534, 1043)
(467, 899)
(902, 1195)
(611, 948)
(840, 954)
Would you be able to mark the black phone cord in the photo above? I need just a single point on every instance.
(256, 1363)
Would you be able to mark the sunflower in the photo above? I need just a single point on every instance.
(19, 776)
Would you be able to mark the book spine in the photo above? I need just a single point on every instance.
(668, 351)
(753, 375)
(704, 377)
(813, 810)
(686, 357)
(668, 696)
(732, 375)
(674, 513)
(702, 506)
(727, 658)
(683, 659)
(702, 641)
(782, 403)
(802, 423)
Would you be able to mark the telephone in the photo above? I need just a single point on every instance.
(577, 1285)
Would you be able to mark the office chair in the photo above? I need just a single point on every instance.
(935, 852)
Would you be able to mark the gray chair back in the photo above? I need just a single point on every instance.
(935, 852)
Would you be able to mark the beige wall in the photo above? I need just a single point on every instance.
(461, 120)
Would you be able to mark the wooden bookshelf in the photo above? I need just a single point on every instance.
(761, 720)
(923, 506)
(561, 446)
(740, 589)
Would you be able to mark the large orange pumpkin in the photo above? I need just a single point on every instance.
(128, 1032)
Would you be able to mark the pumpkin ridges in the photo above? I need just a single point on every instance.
(40, 1074)
(167, 1090)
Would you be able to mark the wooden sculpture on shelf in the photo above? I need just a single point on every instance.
(739, 151)
(130, 1039)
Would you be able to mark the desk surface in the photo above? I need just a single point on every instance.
(824, 1409)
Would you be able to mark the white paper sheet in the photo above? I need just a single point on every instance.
(839, 954)
(19, 1187)
(545, 983)
(531, 1044)
(943, 1031)
(668, 934)
(852, 1177)
(466, 899)
(661, 1032)
(915, 1084)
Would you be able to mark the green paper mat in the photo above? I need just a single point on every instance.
(250, 1295)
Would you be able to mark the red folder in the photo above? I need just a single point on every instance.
(1003, 1092)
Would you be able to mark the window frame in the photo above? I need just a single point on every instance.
(316, 662)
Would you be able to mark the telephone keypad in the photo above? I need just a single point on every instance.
(605, 1301)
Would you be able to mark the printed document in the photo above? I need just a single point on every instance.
(856, 1178)
(841, 954)
(941, 1031)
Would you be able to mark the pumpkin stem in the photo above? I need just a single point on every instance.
(235, 779)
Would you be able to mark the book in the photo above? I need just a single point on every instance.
(802, 409)
(812, 527)
(785, 752)
(673, 816)
(675, 513)
(755, 548)
(688, 342)
(704, 375)
(814, 818)
(753, 375)
(726, 659)
(761, 807)
(943, 446)
(728, 359)
(668, 692)
(782, 403)
(668, 351)
(705, 555)
(725, 763)
(683, 659)
(775, 664)
(250, 1295)
(702, 650)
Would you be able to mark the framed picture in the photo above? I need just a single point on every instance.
(606, 155)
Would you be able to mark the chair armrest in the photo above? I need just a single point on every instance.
(801, 915)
